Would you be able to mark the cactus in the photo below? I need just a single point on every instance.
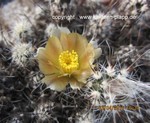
(116, 90)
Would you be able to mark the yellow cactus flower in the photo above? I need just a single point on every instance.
(67, 59)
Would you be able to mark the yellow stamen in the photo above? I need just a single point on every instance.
(69, 61)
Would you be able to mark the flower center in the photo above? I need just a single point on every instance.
(69, 61)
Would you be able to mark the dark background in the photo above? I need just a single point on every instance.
(3, 2)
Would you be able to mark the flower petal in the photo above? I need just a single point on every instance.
(64, 30)
(56, 83)
(81, 44)
(75, 84)
(44, 65)
(48, 69)
(82, 75)
(73, 41)
(85, 63)
(87, 57)
(68, 41)
(53, 49)
(98, 53)
(57, 31)
(41, 54)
